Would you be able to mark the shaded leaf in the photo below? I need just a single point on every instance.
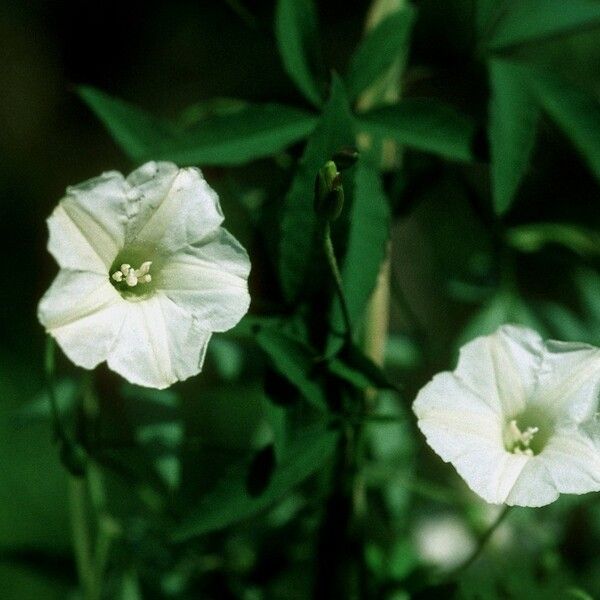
(530, 20)
(295, 361)
(229, 501)
(223, 138)
(369, 232)
(533, 237)
(379, 50)
(296, 28)
(135, 130)
(513, 121)
(503, 308)
(576, 112)
(299, 223)
(355, 367)
(425, 125)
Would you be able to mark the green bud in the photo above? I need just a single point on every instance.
(329, 192)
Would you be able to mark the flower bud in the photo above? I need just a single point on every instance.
(329, 192)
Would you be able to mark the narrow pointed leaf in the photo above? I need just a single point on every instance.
(296, 28)
(530, 20)
(379, 49)
(369, 232)
(512, 127)
(299, 223)
(229, 501)
(576, 112)
(227, 138)
(295, 361)
(424, 125)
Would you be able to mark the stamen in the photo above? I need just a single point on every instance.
(518, 441)
(133, 276)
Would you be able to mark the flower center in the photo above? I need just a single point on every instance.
(131, 276)
(517, 441)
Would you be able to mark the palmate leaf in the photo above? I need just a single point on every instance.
(378, 50)
(516, 22)
(513, 118)
(423, 124)
(520, 93)
(296, 28)
(229, 138)
(230, 502)
(369, 232)
(334, 131)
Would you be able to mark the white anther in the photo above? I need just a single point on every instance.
(519, 441)
(131, 278)
(144, 268)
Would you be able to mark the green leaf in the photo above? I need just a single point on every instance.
(353, 366)
(576, 112)
(379, 50)
(297, 31)
(425, 125)
(229, 501)
(299, 224)
(369, 232)
(505, 307)
(531, 20)
(513, 121)
(229, 137)
(295, 361)
(134, 129)
(533, 237)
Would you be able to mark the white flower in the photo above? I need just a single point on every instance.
(147, 273)
(518, 418)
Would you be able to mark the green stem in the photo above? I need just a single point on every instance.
(82, 540)
(49, 371)
(481, 543)
(337, 279)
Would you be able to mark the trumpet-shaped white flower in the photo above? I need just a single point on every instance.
(518, 418)
(147, 273)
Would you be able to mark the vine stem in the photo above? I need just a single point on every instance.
(481, 544)
(337, 279)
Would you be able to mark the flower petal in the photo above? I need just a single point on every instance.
(467, 431)
(573, 460)
(159, 344)
(84, 313)
(210, 281)
(501, 368)
(87, 228)
(535, 485)
(172, 207)
(569, 381)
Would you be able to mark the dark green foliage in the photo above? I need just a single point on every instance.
(485, 199)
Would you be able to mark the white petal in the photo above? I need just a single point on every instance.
(210, 281)
(573, 461)
(501, 368)
(534, 486)
(159, 344)
(569, 381)
(175, 208)
(84, 313)
(466, 431)
(87, 228)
